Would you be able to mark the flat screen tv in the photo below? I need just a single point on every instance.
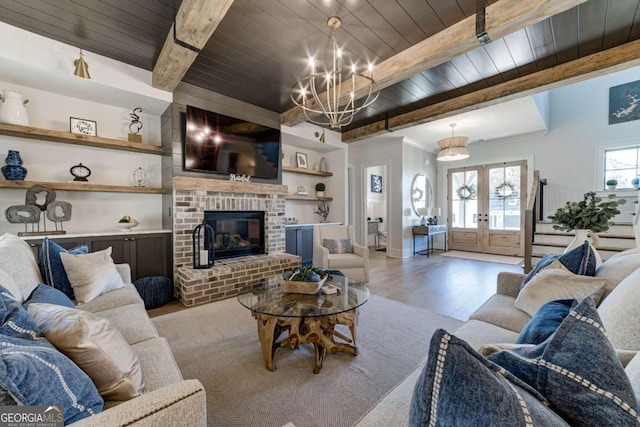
(215, 143)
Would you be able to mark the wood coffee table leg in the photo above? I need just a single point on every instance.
(319, 352)
(266, 334)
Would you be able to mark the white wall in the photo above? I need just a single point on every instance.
(403, 161)
(415, 161)
(50, 162)
(566, 155)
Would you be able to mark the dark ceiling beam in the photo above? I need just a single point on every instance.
(195, 22)
(595, 65)
(502, 18)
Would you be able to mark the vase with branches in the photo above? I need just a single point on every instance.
(323, 211)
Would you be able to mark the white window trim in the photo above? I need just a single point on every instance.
(599, 175)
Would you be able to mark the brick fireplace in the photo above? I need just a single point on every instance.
(191, 198)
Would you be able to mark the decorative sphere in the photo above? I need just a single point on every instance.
(315, 277)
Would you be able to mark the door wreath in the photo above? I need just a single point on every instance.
(466, 192)
(506, 189)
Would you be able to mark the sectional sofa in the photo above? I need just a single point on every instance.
(498, 321)
(165, 397)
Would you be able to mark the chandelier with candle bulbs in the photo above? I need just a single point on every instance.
(332, 97)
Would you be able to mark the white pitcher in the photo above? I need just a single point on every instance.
(12, 110)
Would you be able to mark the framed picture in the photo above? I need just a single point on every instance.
(301, 160)
(624, 102)
(83, 126)
(376, 184)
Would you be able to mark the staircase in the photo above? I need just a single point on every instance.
(546, 240)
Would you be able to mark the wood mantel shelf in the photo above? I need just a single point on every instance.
(72, 138)
(225, 186)
(305, 171)
(76, 186)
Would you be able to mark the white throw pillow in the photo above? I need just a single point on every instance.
(97, 348)
(17, 259)
(557, 282)
(91, 275)
(9, 284)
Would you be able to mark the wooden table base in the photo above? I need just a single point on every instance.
(319, 331)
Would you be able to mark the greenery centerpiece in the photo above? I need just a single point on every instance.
(592, 213)
(303, 280)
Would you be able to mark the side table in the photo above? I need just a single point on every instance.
(429, 231)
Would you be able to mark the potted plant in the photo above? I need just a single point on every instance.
(589, 215)
(320, 187)
(612, 183)
(636, 183)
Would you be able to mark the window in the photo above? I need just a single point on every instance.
(622, 164)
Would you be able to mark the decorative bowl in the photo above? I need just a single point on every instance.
(307, 288)
(124, 226)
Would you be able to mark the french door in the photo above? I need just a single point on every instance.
(486, 208)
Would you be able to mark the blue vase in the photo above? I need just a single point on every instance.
(13, 158)
(14, 172)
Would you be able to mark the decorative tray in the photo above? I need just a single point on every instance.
(308, 288)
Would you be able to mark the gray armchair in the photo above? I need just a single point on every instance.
(354, 265)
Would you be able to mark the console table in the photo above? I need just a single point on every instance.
(429, 231)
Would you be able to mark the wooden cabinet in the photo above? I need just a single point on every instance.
(147, 254)
(299, 241)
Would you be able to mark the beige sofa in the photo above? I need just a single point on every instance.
(499, 321)
(167, 399)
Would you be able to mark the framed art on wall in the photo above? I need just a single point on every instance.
(301, 160)
(624, 102)
(83, 126)
(376, 184)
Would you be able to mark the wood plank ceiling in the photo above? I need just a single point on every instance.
(260, 47)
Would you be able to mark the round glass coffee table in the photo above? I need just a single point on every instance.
(308, 319)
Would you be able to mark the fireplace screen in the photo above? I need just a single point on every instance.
(236, 233)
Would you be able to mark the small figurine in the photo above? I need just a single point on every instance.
(135, 126)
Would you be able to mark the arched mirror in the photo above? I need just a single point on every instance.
(421, 193)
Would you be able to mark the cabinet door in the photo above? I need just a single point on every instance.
(151, 255)
(305, 245)
(119, 248)
(291, 240)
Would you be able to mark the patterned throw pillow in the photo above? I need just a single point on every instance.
(338, 246)
(51, 268)
(578, 371)
(33, 372)
(459, 387)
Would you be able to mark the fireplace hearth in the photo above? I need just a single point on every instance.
(236, 233)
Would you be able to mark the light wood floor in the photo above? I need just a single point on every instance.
(449, 286)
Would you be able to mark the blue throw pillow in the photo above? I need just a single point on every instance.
(51, 267)
(48, 295)
(580, 260)
(546, 321)
(578, 371)
(14, 320)
(33, 372)
(459, 387)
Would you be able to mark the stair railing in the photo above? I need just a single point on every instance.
(532, 215)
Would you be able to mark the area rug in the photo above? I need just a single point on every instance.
(502, 259)
(218, 344)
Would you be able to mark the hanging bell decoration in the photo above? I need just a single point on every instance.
(203, 246)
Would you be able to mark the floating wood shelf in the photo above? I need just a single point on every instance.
(72, 138)
(310, 198)
(73, 186)
(305, 171)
